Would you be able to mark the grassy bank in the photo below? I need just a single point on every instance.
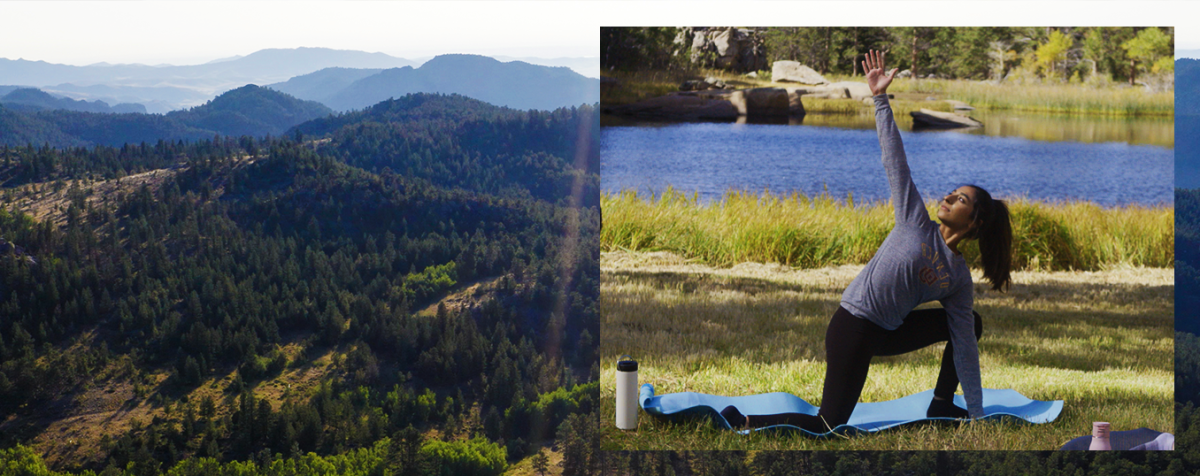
(1052, 98)
(1109, 99)
(1100, 341)
(814, 232)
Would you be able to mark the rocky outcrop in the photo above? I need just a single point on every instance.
(680, 106)
(853, 90)
(716, 105)
(795, 105)
(930, 119)
(15, 249)
(728, 48)
(703, 85)
(761, 102)
(794, 72)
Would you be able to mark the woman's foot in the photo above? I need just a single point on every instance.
(734, 417)
(945, 408)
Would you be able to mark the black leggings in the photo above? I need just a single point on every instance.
(850, 343)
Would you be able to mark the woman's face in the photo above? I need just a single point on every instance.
(955, 210)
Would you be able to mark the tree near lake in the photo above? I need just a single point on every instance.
(1149, 51)
(1052, 55)
(1091, 55)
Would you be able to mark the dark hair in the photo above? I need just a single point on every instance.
(994, 233)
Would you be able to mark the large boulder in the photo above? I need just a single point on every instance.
(761, 102)
(793, 71)
(822, 92)
(930, 119)
(735, 49)
(795, 105)
(853, 90)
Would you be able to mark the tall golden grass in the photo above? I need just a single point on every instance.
(810, 232)
(1054, 98)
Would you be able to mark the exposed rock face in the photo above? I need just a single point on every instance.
(793, 71)
(930, 119)
(728, 48)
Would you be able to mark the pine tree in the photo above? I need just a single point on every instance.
(541, 463)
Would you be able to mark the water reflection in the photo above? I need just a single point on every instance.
(711, 158)
(1157, 131)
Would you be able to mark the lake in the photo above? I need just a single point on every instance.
(1108, 161)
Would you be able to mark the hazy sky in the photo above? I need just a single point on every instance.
(190, 32)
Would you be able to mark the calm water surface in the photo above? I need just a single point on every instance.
(1106, 161)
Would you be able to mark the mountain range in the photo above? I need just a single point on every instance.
(515, 84)
(166, 88)
(246, 111)
(31, 99)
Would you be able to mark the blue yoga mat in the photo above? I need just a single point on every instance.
(868, 417)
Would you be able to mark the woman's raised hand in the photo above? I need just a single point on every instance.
(876, 79)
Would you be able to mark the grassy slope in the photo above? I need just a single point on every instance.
(1102, 341)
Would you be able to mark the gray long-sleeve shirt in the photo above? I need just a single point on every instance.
(914, 265)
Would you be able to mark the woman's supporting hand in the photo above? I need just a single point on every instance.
(876, 79)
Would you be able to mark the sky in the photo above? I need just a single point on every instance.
(191, 32)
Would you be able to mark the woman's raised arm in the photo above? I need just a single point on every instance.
(905, 198)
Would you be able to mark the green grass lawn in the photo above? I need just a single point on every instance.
(1102, 341)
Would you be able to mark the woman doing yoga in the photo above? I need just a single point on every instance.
(918, 262)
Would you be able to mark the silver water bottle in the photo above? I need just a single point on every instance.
(627, 393)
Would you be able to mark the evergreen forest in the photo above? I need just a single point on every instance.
(408, 289)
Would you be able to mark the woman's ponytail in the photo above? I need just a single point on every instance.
(994, 232)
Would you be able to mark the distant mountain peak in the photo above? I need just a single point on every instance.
(251, 110)
(225, 60)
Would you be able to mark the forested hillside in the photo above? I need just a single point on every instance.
(249, 110)
(32, 99)
(455, 141)
(419, 296)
